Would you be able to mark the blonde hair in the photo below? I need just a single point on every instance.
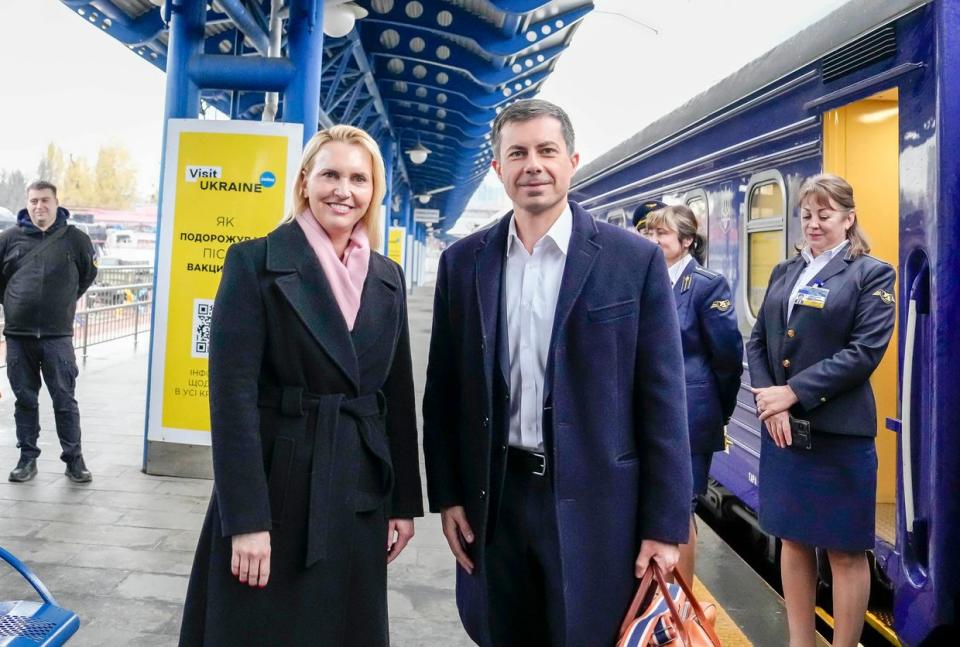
(826, 187)
(682, 220)
(356, 137)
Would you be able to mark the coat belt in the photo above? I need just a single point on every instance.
(325, 486)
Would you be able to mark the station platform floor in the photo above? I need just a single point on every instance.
(118, 551)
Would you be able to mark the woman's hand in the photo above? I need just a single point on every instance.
(778, 426)
(773, 400)
(251, 558)
(399, 534)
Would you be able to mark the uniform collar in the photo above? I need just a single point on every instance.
(559, 232)
(829, 254)
(675, 271)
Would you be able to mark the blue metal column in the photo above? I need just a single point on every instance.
(301, 99)
(187, 23)
(387, 148)
(406, 218)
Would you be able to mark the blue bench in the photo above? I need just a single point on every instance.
(34, 624)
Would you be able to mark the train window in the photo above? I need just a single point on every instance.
(697, 202)
(766, 209)
(766, 200)
(617, 217)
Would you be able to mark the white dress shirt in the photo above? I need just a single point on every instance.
(814, 265)
(676, 270)
(532, 286)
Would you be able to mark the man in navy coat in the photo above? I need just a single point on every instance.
(555, 430)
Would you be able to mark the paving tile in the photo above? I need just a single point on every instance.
(103, 535)
(130, 559)
(184, 540)
(167, 520)
(122, 614)
(33, 551)
(42, 492)
(151, 586)
(20, 528)
(62, 579)
(70, 513)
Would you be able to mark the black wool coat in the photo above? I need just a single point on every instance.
(314, 439)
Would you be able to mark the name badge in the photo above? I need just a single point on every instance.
(812, 296)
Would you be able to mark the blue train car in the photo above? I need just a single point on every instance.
(872, 93)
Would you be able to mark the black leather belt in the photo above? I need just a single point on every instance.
(527, 462)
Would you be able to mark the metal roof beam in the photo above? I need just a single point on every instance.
(129, 31)
(237, 11)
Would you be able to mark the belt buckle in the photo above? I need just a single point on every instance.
(542, 469)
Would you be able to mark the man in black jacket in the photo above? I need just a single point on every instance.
(45, 266)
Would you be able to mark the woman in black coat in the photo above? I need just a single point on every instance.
(823, 327)
(316, 476)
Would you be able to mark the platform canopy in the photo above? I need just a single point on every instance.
(417, 74)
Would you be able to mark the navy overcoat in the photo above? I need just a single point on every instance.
(314, 439)
(712, 354)
(615, 415)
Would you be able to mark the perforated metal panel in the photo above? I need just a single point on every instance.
(25, 627)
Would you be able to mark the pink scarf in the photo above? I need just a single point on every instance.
(345, 277)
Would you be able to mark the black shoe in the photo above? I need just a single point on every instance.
(25, 470)
(77, 471)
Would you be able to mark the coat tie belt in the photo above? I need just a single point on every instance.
(366, 412)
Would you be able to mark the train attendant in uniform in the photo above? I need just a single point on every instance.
(642, 211)
(316, 477)
(823, 327)
(712, 345)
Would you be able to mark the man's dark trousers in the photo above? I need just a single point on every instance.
(52, 357)
(523, 562)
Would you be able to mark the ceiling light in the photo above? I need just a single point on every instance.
(339, 17)
(418, 154)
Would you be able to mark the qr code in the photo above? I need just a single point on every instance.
(202, 318)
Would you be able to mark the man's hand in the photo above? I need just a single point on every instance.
(251, 558)
(453, 520)
(666, 556)
(773, 400)
(399, 534)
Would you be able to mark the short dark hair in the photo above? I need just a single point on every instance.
(42, 185)
(527, 109)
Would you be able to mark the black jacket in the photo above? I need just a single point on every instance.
(40, 298)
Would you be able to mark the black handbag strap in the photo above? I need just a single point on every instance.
(33, 253)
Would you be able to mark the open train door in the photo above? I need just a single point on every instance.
(861, 143)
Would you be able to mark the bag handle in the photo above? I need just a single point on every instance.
(634, 609)
(653, 572)
(697, 609)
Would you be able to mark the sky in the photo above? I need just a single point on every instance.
(630, 62)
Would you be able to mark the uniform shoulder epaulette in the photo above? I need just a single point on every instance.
(705, 272)
(879, 260)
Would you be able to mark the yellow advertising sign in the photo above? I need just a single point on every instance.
(221, 187)
(396, 242)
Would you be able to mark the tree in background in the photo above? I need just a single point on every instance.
(52, 165)
(78, 187)
(13, 190)
(110, 184)
(116, 178)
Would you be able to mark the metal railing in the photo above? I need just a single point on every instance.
(118, 306)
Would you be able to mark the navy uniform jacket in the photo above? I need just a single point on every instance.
(827, 355)
(615, 415)
(712, 354)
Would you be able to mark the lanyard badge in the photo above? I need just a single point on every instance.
(812, 296)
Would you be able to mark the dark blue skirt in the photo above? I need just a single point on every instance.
(701, 472)
(824, 496)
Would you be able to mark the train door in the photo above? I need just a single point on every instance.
(861, 144)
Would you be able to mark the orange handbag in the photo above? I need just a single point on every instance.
(670, 615)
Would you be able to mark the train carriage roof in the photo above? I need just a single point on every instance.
(846, 23)
(423, 72)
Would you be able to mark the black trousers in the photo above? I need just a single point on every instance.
(29, 358)
(523, 564)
